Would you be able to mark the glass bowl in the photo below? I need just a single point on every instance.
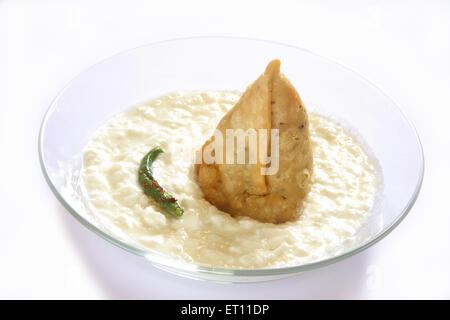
(222, 63)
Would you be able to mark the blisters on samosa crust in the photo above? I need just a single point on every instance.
(271, 102)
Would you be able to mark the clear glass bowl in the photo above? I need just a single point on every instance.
(203, 63)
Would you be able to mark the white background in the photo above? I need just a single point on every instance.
(402, 46)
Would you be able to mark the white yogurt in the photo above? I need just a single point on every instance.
(342, 192)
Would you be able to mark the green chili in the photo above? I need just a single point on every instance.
(152, 188)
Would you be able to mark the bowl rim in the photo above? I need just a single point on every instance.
(164, 261)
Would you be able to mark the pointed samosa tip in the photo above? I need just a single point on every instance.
(273, 67)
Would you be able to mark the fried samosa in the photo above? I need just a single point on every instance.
(258, 189)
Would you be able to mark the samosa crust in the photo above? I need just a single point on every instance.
(271, 102)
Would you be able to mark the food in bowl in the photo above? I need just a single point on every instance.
(334, 197)
(272, 188)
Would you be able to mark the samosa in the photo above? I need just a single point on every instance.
(272, 187)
